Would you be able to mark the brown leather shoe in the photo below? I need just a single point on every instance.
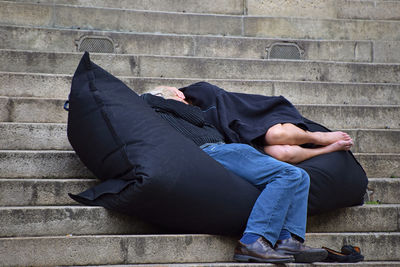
(300, 252)
(260, 251)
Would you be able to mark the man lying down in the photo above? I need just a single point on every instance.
(275, 229)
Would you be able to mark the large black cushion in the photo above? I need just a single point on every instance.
(150, 170)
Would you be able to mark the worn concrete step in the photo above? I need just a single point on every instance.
(41, 110)
(380, 165)
(47, 192)
(126, 249)
(332, 9)
(335, 9)
(63, 16)
(42, 164)
(367, 218)
(62, 40)
(298, 92)
(384, 190)
(375, 140)
(233, 7)
(53, 136)
(202, 68)
(387, 10)
(84, 220)
(34, 136)
(68, 220)
(252, 264)
(41, 192)
(65, 164)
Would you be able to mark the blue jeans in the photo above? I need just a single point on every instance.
(282, 203)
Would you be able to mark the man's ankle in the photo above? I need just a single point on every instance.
(249, 238)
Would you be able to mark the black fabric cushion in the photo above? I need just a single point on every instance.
(149, 169)
(337, 179)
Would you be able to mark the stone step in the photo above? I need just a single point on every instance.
(375, 140)
(131, 249)
(85, 220)
(252, 264)
(34, 136)
(47, 192)
(68, 220)
(42, 192)
(202, 68)
(42, 164)
(65, 164)
(332, 9)
(64, 40)
(384, 190)
(380, 165)
(41, 110)
(53, 136)
(298, 92)
(63, 16)
(233, 7)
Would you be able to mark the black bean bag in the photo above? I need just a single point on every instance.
(149, 170)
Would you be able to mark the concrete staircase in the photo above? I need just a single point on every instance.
(347, 76)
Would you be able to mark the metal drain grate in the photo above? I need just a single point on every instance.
(96, 44)
(284, 51)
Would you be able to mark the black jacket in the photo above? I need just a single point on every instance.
(241, 117)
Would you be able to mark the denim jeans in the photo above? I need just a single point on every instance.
(282, 203)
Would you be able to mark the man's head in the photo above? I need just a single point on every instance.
(169, 92)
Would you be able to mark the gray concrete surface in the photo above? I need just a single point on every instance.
(201, 68)
(234, 7)
(298, 92)
(323, 9)
(41, 164)
(41, 192)
(380, 165)
(166, 248)
(384, 190)
(66, 40)
(180, 23)
(68, 220)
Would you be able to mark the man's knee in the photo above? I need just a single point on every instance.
(305, 177)
(294, 175)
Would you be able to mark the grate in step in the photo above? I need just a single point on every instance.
(282, 50)
(95, 44)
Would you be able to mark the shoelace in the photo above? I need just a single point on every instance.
(265, 244)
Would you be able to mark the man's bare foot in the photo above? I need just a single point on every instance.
(339, 145)
(327, 138)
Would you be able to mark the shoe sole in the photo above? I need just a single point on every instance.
(246, 258)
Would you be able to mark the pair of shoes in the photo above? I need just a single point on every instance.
(301, 252)
(347, 254)
(260, 251)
